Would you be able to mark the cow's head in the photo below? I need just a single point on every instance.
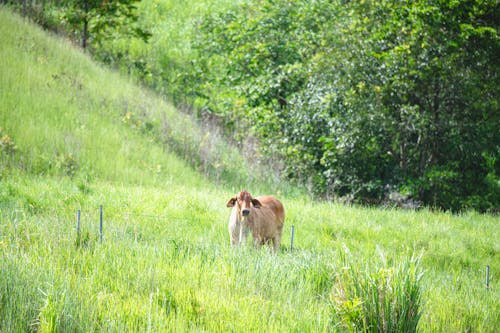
(244, 202)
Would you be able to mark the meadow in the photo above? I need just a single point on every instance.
(75, 135)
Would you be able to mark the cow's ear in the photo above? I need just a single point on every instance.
(256, 203)
(231, 202)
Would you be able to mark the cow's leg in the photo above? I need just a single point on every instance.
(258, 242)
(234, 241)
(276, 243)
(235, 230)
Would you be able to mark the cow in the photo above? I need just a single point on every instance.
(263, 216)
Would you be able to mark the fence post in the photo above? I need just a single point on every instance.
(487, 276)
(291, 239)
(78, 225)
(100, 223)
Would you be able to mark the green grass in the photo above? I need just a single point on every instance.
(80, 136)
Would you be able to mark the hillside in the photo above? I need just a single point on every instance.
(75, 135)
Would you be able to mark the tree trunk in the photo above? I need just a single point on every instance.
(85, 32)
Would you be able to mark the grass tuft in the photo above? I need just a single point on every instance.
(387, 299)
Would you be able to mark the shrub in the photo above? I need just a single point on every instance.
(360, 96)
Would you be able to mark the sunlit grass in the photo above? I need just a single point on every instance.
(165, 264)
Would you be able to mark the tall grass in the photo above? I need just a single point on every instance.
(144, 277)
(80, 138)
(165, 265)
(386, 300)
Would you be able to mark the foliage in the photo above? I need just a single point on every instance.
(359, 98)
(102, 26)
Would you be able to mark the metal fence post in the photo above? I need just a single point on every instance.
(487, 276)
(78, 224)
(100, 224)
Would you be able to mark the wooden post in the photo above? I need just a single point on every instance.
(291, 239)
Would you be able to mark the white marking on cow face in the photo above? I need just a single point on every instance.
(244, 200)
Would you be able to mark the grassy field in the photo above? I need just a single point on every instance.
(75, 136)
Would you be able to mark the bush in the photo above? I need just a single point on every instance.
(361, 96)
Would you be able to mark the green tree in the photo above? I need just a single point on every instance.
(359, 98)
(98, 21)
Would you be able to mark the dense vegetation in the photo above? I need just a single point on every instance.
(366, 100)
(359, 97)
(75, 135)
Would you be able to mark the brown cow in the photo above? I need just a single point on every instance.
(263, 216)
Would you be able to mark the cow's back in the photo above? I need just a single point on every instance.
(274, 206)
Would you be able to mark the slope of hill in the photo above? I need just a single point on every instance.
(76, 136)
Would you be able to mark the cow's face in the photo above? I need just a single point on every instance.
(244, 202)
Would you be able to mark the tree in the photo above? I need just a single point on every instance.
(98, 20)
(361, 97)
